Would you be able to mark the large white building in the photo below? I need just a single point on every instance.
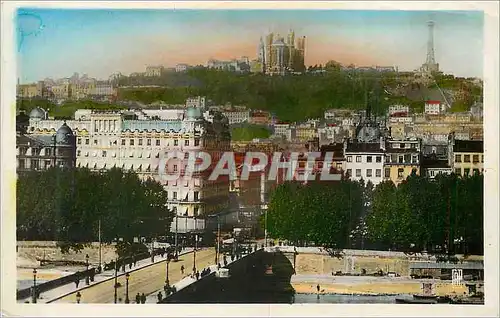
(364, 160)
(107, 139)
(237, 116)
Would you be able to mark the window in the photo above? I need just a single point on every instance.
(176, 142)
(369, 159)
(349, 158)
(131, 142)
(407, 158)
(157, 155)
(368, 173)
(104, 153)
(195, 211)
(358, 158)
(387, 172)
(148, 142)
(414, 159)
(378, 159)
(466, 171)
(175, 195)
(400, 173)
(78, 153)
(349, 172)
(400, 159)
(196, 195)
(432, 173)
(475, 171)
(95, 141)
(458, 158)
(157, 142)
(378, 173)
(123, 142)
(475, 158)
(466, 158)
(140, 142)
(186, 142)
(358, 173)
(87, 141)
(186, 155)
(401, 146)
(79, 141)
(196, 142)
(175, 168)
(387, 158)
(458, 171)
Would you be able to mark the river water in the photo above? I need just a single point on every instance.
(343, 299)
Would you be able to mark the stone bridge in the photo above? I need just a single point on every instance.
(260, 277)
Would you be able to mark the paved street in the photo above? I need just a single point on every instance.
(146, 280)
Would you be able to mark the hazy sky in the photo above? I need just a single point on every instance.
(100, 42)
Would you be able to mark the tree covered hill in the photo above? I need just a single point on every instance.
(293, 97)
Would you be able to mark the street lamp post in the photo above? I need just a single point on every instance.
(127, 277)
(116, 280)
(167, 282)
(87, 265)
(195, 246)
(217, 256)
(78, 297)
(176, 231)
(100, 244)
(34, 296)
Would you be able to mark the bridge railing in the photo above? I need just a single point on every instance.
(27, 292)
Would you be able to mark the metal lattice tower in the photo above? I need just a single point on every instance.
(430, 45)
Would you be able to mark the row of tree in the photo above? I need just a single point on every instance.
(441, 216)
(67, 205)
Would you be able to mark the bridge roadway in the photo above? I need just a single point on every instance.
(145, 280)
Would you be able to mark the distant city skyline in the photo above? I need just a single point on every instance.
(102, 42)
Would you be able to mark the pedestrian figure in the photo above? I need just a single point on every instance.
(232, 257)
(130, 265)
(137, 298)
(182, 269)
(160, 296)
(143, 298)
(77, 282)
(99, 269)
(197, 275)
(317, 288)
(218, 266)
(135, 261)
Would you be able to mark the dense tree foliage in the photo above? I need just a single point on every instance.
(66, 206)
(440, 216)
(294, 97)
(322, 213)
(291, 98)
(248, 132)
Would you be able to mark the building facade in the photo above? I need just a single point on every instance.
(364, 160)
(280, 56)
(154, 71)
(466, 157)
(402, 158)
(108, 139)
(237, 116)
(41, 151)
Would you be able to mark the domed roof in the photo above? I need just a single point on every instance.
(63, 134)
(193, 113)
(37, 113)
